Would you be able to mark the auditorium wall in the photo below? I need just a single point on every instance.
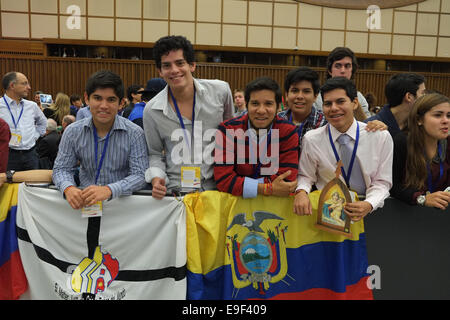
(417, 30)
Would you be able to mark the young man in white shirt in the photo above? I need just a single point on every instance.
(185, 104)
(373, 152)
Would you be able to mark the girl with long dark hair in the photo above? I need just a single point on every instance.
(421, 167)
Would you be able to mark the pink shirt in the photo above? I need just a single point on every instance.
(375, 152)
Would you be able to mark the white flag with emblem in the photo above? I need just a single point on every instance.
(135, 250)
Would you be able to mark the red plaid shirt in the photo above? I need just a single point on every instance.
(230, 177)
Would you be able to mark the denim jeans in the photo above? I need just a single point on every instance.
(20, 160)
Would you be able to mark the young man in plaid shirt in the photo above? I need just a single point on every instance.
(257, 153)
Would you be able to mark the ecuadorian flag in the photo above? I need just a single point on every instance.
(12, 276)
(259, 249)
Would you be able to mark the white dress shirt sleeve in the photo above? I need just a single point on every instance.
(381, 180)
(40, 121)
(307, 175)
(157, 164)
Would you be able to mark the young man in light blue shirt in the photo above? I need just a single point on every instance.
(111, 149)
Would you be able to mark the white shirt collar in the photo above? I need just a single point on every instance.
(10, 100)
(199, 88)
(335, 133)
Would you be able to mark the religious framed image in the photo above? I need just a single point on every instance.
(330, 213)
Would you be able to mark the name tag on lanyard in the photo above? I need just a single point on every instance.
(190, 175)
(16, 134)
(16, 138)
(96, 210)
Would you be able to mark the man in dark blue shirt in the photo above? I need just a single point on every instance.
(401, 91)
(75, 104)
(154, 86)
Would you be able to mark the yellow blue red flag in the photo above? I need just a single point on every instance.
(259, 249)
(13, 281)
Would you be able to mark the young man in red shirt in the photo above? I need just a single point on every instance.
(257, 153)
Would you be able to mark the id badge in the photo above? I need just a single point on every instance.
(95, 210)
(191, 177)
(16, 139)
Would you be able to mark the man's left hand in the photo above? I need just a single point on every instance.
(357, 210)
(93, 194)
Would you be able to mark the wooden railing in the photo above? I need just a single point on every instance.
(69, 75)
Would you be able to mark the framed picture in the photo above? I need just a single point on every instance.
(330, 214)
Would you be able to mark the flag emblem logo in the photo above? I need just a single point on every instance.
(94, 276)
(257, 250)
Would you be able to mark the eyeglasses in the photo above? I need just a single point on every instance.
(140, 92)
(23, 83)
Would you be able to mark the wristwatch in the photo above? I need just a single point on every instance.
(9, 176)
(421, 200)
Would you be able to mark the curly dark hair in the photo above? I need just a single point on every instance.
(169, 43)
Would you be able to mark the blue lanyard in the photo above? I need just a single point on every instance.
(14, 120)
(99, 165)
(257, 167)
(180, 118)
(441, 170)
(300, 129)
(352, 160)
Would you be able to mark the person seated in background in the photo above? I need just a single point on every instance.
(84, 112)
(239, 103)
(371, 99)
(421, 168)
(59, 109)
(67, 120)
(366, 156)
(154, 86)
(111, 150)
(239, 168)
(401, 91)
(76, 103)
(37, 99)
(47, 146)
(134, 95)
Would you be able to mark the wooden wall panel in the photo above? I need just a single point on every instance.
(22, 47)
(69, 75)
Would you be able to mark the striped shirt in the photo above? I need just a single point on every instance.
(124, 165)
(233, 177)
(83, 113)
